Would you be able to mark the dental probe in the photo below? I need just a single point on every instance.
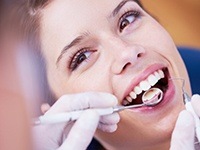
(74, 115)
(189, 107)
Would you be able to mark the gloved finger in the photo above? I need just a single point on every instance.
(67, 129)
(45, 107)
(110, 119)
(107, 128)
(196, 103)
(183, 134)
(108, 123)
(82, 132)
(83, 101)
(46, 136)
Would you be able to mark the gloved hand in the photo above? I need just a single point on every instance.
(76, 135)
(184, 131)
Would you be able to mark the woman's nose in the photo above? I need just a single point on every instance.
(125, 57)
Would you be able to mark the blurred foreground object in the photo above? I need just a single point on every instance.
(14, 123)
(14, 127)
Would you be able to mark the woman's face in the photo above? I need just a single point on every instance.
(115, 47)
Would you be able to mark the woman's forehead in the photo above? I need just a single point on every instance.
(78, 8)
(76, 14)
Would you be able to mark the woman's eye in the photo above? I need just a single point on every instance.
(79, 58)
(127, 19)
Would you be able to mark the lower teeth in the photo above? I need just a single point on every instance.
(152, 97)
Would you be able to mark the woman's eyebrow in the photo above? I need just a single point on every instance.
(117, 9)
(73, 43)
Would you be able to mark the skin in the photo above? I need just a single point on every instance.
(115, 59)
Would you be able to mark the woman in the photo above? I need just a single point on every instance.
(113, 47)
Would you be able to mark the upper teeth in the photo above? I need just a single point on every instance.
(144, 85)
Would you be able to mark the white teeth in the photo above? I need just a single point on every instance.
(144, 85)
(137, 90)
(125, 102)
(133, 95)
(129, 99)
(161, 73)
(157, 75)
(152, 80)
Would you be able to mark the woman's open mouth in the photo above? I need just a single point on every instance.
(158, 79)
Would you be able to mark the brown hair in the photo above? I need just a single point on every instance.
(30, 12)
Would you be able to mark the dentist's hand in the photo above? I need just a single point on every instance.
(184, 131)
(76, 135)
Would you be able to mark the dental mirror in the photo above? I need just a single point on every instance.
(150, 98)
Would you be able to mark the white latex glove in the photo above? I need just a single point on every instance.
(184, 131)
(76, 135)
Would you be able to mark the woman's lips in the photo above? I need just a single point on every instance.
(169, 91)
(142, 77)
(135, 96)
(143, 81)
(169, 94)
